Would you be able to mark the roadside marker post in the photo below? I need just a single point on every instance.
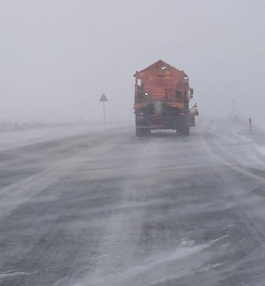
(103, 99)
(250, 125)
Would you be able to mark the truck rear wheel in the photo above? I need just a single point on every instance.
(184, 127)
(186, 130)
(139, 131)
(142, 131)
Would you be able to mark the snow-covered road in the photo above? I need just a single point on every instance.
(15, 139)
(108, 208)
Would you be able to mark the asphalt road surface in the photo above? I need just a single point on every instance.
(107, 208)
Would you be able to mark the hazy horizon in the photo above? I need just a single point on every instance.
(58, 57)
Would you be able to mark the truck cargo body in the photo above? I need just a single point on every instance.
(162, 95)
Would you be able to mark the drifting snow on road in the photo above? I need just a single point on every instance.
(15, 139)
(107, 208)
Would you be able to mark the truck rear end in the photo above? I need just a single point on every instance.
(162, 95)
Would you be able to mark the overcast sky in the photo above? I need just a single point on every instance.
(58, 56)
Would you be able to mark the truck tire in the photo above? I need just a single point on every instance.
(184, 128)
(142, 131)
(139, 131)
(184, 131)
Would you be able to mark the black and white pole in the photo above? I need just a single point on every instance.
(103, 99)
(104, 115)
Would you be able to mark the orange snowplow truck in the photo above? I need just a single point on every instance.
(162, 95)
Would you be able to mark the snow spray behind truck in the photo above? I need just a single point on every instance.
(162, 96)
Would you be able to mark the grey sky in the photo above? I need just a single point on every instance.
(58, 56)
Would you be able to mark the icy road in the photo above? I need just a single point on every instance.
(107, 208)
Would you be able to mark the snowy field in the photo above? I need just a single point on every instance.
(248, 146)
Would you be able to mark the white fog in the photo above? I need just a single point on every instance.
(170, 191)
(58, 57)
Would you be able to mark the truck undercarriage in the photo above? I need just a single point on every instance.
(153, 117)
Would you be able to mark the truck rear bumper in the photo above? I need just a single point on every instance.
(157, 126)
